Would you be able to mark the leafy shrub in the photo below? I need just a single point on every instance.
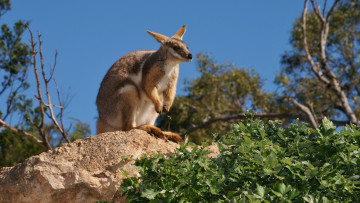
(258, 162)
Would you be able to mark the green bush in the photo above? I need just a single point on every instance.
(258, 162)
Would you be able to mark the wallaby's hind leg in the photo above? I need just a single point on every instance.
(122, 115)
(157, 132)
(128, 104)
(152, 130)
(173, 136)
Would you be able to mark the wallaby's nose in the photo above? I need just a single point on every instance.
(189, 56)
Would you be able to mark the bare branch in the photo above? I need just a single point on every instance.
(331, 10)
(317, 10)
(5, 86)
(40, 127)
(39, 96)
(31, 122)
(315, 67)
(53, 69)
(314, 123)
(64, 132)
(9, 102)
(15, 130)
(324, 9)
(53, 105)
(11, 97)
(340, 123)
(49, 105)
(357, 88)
(42, 105)
(323, 38)
(312, 118)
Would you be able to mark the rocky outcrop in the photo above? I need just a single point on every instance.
(84, 171)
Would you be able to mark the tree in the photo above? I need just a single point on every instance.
(321, 75)
(14, 62)
(80, 130)
(26, 129)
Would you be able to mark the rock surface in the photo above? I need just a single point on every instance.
(83, 171)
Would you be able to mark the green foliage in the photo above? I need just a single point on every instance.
(4, 6)
(80, 130)
(258, 162)
(14, 62)
(15, 148)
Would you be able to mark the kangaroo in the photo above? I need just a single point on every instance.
(141, 85)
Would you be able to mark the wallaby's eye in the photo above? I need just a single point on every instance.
(176, 48)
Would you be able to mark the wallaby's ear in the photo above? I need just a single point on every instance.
(180, 33)
(158, 37)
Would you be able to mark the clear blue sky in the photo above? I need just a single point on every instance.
(91, 35)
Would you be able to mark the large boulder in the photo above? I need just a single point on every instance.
(84, 171)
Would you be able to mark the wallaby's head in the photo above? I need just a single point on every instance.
(176, 49)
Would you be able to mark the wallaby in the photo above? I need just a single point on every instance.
(141, 85)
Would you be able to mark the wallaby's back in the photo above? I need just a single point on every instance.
(117, 77)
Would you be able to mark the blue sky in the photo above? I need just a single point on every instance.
(91, 35)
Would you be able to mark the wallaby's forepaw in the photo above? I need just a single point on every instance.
(158, 109)
(166, 108)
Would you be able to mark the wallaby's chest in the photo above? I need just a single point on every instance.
(161, 78)
(168, 76)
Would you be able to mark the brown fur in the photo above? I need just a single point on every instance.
(150, 81)
(100, 127)
(169, 94)
(140, 85)
(157, 132)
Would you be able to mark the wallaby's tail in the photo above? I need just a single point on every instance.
(100, 126)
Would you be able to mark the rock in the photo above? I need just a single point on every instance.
(83, 171)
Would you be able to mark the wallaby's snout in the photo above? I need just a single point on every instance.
(190, 56)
